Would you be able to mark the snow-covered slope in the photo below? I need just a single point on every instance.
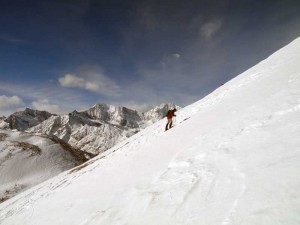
(231, 159)
(116, 115)
(100, 127)
(3, 124)
(157, 113)
(128, 118)
(26, 160)
(27, 118)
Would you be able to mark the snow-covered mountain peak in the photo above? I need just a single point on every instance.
(26, 160)
(3, 124)
(159, 112)
(117, 115)
(62, 126)
(27, 118)
(232, 158)
(98, 128)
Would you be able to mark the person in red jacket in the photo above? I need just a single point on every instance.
(170, 115)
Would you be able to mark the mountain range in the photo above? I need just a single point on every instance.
(27, 160)
(231, 158)
(38, 142)
(94, 130)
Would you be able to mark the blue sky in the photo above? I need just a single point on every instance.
(62, 55)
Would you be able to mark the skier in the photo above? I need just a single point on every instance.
(170, 115)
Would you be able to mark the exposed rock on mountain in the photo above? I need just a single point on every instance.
(157, 113)
(115, 115)
(232, 159)
(23, 120)
(100, 127)
(27, 160)
(3, 124)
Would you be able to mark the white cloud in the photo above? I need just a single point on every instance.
(7, 102)
(176, 55)
(208, 29)
(43, 104)
(49, 91)
(92, 81)
(170, 60)
(66, 99)
(70, 80)
(11, 39)
(140, 107)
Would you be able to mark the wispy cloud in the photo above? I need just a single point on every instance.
(208, 29)
(70, 80)
(10, 101)
(9, 104)
(11, 39)
(170, 59)
(49, 95)
(139, 106)
(92, 80)
(44, 104)
(41, 91)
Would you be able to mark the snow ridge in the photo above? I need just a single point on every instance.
(100, 127)
(232, 158)
(26, 160)
(23, 120)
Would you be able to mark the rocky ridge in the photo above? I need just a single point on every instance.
(27, 118)
(99, 128)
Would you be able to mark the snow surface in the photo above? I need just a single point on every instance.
(27, 118)
(231, 159)
(100, 127)
(27, 160)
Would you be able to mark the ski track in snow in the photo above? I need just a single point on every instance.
(249, 128)
(185, 174)
(67, 180)
(222, 93)
(206, 180)
(173, 187)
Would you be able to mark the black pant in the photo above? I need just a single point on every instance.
(169, 124)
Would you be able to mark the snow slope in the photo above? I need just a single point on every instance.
(27, 160)
(100, 127)
(231, 159)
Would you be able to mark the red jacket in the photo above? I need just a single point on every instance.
(171, 114)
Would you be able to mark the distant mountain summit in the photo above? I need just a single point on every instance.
(3, 124)
(54, 143)
(158, 112)
(125, 117)
(23, 120)
(232, 158)
(101, 127)
(115, 115)
(27, 160)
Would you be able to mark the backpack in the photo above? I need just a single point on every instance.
(168, 113)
